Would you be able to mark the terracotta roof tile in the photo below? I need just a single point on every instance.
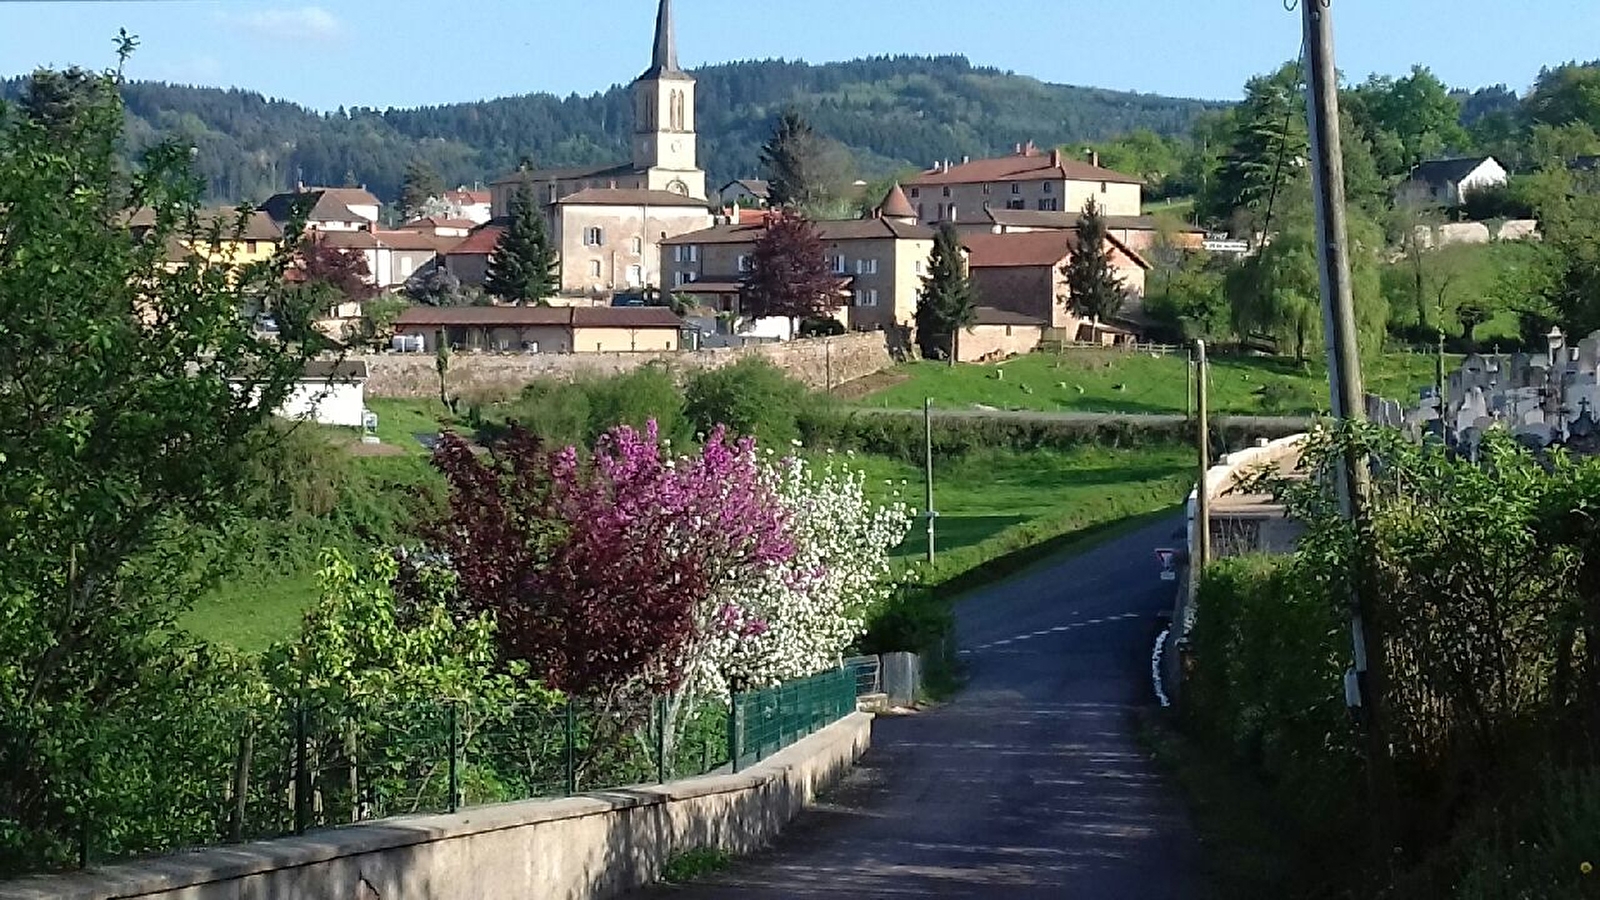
(515, 316)
(483, 240)
(895, 205)
(989, 315)
(1022, 167)
(1030, 248)
(628, 197)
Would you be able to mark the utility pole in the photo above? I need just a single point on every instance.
(1344, 373)
(927, 471)
(1202, 499)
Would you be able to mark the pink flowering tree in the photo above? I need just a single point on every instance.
(611, 575)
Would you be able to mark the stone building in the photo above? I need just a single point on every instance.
(613, 216)
(1023, 272)
(1029, 179)
(880, 261)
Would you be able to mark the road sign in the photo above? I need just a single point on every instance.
(1166, 556)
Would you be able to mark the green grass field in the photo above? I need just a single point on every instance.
(1118, 381)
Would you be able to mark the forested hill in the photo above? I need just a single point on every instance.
(890, 112)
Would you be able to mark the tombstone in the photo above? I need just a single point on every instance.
(902, 677)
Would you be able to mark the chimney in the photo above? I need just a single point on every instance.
(1030, 149)
(965, 160)
(1094, 158)
(1055, 158)
(1018, 150)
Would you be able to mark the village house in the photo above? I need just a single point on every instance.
(746, 192)
(468, 261)
(325, 209)
(880, 262)
(441, 226)
(392, 257)
(997, 334)
(544, 329)
(1023, 273)
(1137, 233)
(1449, 182)
(610, 239)
(1029, 179)
(236, 242)
(473, 205)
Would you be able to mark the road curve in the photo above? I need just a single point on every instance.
(1031, 783)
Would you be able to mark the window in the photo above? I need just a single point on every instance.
(986, 189)
(840, 265)
(915, 193)
(694, 252)
(866, 267)
(250, 246)
(1102, 187)
(677, 253)
(744, 262)
(1047, 204)
(918, 267)
(638, 245)
(1016, 203)
(594, 268)
(1016, 188)
(593, 237)
(1008, 331)
(1048, 186)
(867, 297)
(947, 192)
(951, 213)
(677, 279)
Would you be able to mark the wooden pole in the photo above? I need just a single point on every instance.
(1202, 500)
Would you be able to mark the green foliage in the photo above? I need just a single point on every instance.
(947, 302)
(635, 398)
(524, 265)
(419, 184)
(1408, 119)
(792, 160)
(1566, 95)
(1094, 289)
(752, 397)
(125, 437)
(694, 864)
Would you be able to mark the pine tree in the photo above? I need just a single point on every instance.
(1094, 289)
(947, 302)
(523, 267)
(788, 158)
(789, 273)
(420, 184)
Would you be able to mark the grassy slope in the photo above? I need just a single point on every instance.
(1106, 381)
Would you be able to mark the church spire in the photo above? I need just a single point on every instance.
(664, 61)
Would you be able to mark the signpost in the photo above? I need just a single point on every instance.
(1167, 556)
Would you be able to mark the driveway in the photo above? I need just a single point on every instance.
(1031, 783)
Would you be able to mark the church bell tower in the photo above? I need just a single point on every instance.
(663, 109)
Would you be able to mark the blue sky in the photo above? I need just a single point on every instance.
(328, 53)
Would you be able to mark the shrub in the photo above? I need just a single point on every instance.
(635, 399)
(752, 397)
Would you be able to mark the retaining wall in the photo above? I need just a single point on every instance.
(591, 846)
(822, 363)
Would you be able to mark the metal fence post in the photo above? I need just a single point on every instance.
(455, 753)
(302, 771)
(733, 730)
(661, 740)
(572, 767)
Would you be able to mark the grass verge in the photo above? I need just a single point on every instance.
(695, 864)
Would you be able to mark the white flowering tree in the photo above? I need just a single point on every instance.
(808, 608)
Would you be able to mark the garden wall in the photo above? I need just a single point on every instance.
(822, 363)
(591, 846)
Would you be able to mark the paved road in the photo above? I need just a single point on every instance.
(1030, 784)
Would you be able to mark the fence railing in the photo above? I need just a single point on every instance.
(868, 673)
(286, 769)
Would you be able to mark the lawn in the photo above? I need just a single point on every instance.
(1119, 381)
(400, 421)
(995, 502)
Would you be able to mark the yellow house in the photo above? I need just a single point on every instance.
(237, 244)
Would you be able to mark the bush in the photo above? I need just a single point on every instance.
(752, 397)
(821, 328)
(633, 399)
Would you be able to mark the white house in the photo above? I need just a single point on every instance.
(1449, 182)
(329, 393)
(747, 192)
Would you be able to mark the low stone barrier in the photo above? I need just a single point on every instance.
(822, 363)
(590, 846)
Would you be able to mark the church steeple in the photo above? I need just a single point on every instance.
(664, 60)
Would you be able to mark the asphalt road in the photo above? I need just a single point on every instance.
(1031, 783)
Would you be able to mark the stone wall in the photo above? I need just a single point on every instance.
(822, 363)
(592, 846)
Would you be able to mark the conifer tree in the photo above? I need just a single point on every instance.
(948, 302)
(1094, 289)
(523, 267)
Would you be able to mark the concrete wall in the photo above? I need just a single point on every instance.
(591, 846)
(819, 362)
(623, 340)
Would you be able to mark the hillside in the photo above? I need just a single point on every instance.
(891, 112)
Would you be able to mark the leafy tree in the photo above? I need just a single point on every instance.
(752, 397)
(1150, 156)
(1094, 289)
(134, 398)
(947, 302)
(419, 184)
(789, 274)
(790, 159)
(1267, 150)
(437, 286)
(1565, 95)
(378, 315)
(1409, 119)
(523, 268)
(344, 271)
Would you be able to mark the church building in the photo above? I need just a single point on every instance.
(608, 220)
